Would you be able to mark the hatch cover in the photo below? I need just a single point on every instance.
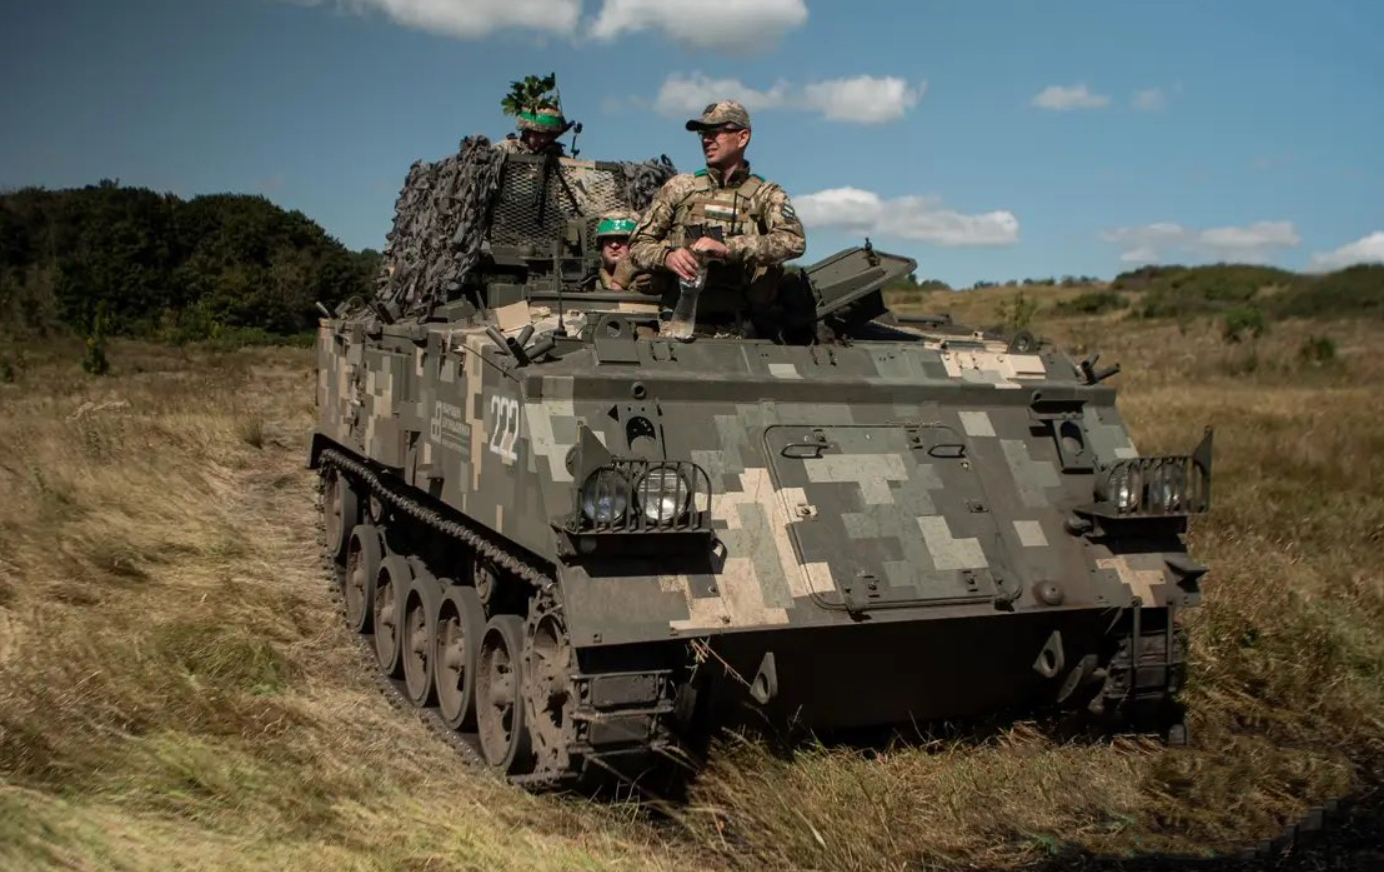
(895, 512)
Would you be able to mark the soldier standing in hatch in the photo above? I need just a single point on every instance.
(757, 226)
(538, 133)
(617, 271)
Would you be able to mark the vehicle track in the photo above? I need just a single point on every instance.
(586, 762)
(1333, 835)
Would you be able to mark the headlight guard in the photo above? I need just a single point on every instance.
(1155, 487)
(635, 495)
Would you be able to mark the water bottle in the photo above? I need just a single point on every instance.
(684, 319)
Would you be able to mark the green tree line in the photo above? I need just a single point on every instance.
(110, 259)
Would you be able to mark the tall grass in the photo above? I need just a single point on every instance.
(175, 691)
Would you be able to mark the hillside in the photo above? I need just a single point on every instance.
(176, 690)
(112, 260)
(1244, 298)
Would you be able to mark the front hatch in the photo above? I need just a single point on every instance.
(896, 513)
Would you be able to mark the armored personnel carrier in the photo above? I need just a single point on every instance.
(581, 545)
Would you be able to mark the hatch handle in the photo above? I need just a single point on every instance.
(810, 450)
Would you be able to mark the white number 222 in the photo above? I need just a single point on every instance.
(504, 424)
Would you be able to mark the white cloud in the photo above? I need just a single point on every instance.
(1063, 98)
(688, 96)
(861, 99)
(1149, 100)
(1369, 249)
(865, 99)
(734, 26)
(1155, 243)
(469, 19)
(911, 217)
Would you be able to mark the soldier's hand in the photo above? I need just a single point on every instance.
(708, 247)
(643, 283)
(682, 262)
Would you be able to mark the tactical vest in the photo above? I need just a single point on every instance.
(725, 207)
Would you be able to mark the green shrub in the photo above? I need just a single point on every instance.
(1242, 322)
(1354, 291)
(1317, 350)
(1017, 312)
(94, 361)
(1092, 303)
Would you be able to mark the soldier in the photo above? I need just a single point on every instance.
(538, 133)
(737, 223)
(617, 271)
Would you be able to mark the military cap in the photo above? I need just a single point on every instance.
(717, 114)
(620, 223)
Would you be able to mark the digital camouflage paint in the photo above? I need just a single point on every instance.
(582, 545)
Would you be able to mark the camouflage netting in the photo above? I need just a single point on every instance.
(447, 211)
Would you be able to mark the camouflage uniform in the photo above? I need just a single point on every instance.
(518, 146)
(755, 217)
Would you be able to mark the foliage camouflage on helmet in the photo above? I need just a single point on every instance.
(534, 101)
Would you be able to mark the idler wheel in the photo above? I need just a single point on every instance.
(456, 645)
(416, 647)
(500, 717)
(341, 512)
(391, 582)
(363, 558)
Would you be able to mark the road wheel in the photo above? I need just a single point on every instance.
(460, 625)
(393, 579)
(363, 558)
(416, 647)
(500, 717)
(341, 512)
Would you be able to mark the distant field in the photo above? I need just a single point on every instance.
(175, 691)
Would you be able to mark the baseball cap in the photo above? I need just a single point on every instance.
(717, 114)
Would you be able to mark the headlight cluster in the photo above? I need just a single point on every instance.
(659, 496)
(1157, 489)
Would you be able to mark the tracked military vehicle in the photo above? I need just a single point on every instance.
(581, 545)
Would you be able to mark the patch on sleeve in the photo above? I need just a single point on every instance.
(788, 210)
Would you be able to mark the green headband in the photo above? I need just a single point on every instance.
(542, 122)
(614, 227)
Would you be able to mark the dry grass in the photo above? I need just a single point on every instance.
(174, 689)
(175, 692)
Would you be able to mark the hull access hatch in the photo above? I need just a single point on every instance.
(895, 512)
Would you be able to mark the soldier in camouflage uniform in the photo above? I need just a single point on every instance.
(538, 133)
(757, 228)
(617, 271)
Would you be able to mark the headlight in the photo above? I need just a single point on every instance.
(663, 495)
(1166, 487)
(1125, 484)
(605, 498)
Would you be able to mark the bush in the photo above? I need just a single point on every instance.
(1238, 323)
(1354, 291)
(1317, 350)
(1207, 289)
(94, 361)
(1092, 303)
(1017, 312)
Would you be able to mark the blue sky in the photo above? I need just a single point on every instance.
(988, 140)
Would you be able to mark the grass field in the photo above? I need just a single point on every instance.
(175, 691)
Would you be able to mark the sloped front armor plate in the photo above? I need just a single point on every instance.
(895, 513)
